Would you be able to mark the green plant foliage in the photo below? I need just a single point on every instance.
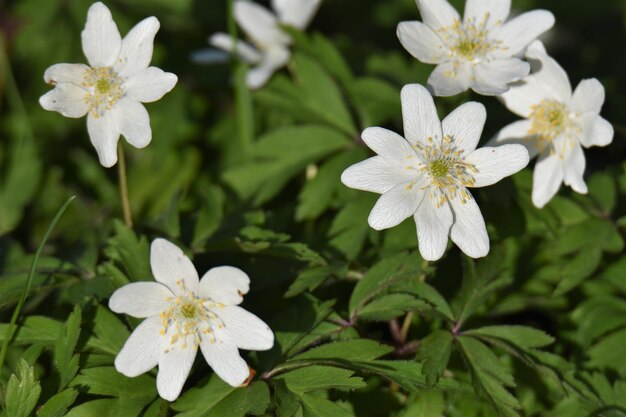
(363, 326)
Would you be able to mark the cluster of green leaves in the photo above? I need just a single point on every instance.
(364, 327)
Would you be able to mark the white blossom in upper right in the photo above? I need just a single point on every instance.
(478, 52)
(270, 49)
(556, 123)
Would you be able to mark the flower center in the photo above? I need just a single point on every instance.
(468, 41)
(189, 319)
(445, 167)
(469, 48)
(104, 88)
(551, 120)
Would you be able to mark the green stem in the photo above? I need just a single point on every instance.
(18, 309)
(121, 167)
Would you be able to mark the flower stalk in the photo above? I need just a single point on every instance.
(121, 169)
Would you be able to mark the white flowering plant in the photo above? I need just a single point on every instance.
(359, 213)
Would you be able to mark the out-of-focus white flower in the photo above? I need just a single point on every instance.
(183, 313)
(111, 89)
(557, 122)
(270, 44)
(478, 52)
(427, 174)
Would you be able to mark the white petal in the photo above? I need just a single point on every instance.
(104, 132)
(224, 284)
(272, 60)
(421, 42)
(134, 122)
(597, 131)
(574, 169)
(259, 24)
(550, 76)
(450, 79)
(437, 13)
(419, 115)
(393, 148)
(493, 164)
(396, 205)
(137, 46)
(468, 230)
(297, 13)
(170, 266)
(433, 226)
(489, 13)
(588, 96)
(465, 125)
(174, 367)
(547, 179)
(68, 99)
(65, 73)
(245, 330)
(223, 357)
(516, 133)
(141, 351)
(141, 299)
(150, 84)
(245, 51)
(518, 32)
(493, 78)
(375, 175)
(101, 39)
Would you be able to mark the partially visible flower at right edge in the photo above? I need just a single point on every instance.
(557, 124)
(478, 52)
(270, 49)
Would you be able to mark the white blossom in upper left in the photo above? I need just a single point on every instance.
(270, 43)
(183, 313)
(112, 87)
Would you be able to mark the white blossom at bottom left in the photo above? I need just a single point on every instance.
(183, 313)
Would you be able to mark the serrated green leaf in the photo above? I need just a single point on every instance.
(209, 215)
(66, 360)
(58, 404)
(108, 381)
(320, 377)
(349, 228)
(110, 333)
(608, 352)
(434, 350)
(602, 189)
(522, 336)
(22, 391)
(314, 406)
(389, 306)
(594, 232)
(309, 279)
(35, 329)
(131, 251)
(215, 398)
(576, 270)
(353, 349)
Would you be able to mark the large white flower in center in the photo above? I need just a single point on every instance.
(557, 124)
(427, 174)
(478, 52)
(183, 313)
(111, 89)
(270, 49)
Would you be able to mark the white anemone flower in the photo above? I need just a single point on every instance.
(183, 313)
(112, 87)
(270, 49)
(478, 52)
(426, 173)
(557, 123)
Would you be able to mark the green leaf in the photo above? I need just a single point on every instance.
(353, 349)
(349, 229)
(489, 376)
(389, 306)
(603, 190)
(58, 404)
(608, 352)
(22, 391)
(594, 232)
(110, 333)
(314, 406)
(309, 279)
(66, 360)
(131, 251)
(209, 215)
(434, 350)
(522, 336)
(34, 329)
(280, 155)
(108, 381)
(576, 270)
(377, 101)
(427, 404)
(215, 398)
(320, 377)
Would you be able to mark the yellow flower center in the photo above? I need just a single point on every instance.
(104, 88)
(443, 164)
(189, 319)
(551, 119)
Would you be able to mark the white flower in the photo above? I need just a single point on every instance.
(557, 122)
(183, 314)
(426, 174)
(271, 44)
(111, 89)
(478, 52)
